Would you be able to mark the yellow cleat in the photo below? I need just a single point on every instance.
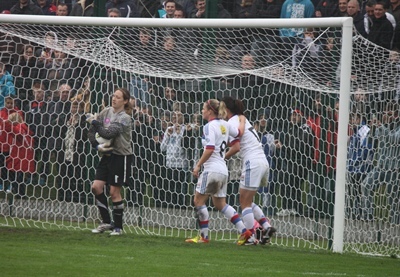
(244, 237)
(198, 239)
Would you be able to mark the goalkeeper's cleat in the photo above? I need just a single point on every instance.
(198, 239)
(244, 237)
(102, 228)
(267, 235)
(116, 232)
(251, 240)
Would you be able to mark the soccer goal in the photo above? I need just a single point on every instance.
(298, 93)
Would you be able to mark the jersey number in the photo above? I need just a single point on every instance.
(222, 149)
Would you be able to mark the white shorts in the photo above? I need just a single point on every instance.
(212, 183)
(254, 174)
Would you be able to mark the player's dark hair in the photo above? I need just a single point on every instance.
(235, 106)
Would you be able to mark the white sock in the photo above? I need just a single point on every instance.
(260, 217)
(248, 218)
(203, 220)
(230, 213)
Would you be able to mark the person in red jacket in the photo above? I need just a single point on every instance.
(9, 108)
(20, 160)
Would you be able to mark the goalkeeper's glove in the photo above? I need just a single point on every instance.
(91, 117)
(104, 147)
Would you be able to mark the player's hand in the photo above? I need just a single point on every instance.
(104, 147)
(90, 117)
(196, 171)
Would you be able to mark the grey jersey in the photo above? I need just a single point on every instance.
(115, 126)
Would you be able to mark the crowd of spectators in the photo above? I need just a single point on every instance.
(52, 91)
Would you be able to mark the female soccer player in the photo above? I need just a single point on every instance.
(113, 124)
(213, 180)
(254, 172)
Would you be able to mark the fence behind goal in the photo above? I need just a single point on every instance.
(291, 89)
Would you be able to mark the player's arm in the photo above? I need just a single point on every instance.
(234, 147)
(208, 151)
(242, 124)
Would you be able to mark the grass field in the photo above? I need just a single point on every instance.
(40, 252)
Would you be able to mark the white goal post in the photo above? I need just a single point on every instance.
(108, 49)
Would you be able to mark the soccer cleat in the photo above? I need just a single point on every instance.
(251, 240)
(244, 237)
(116, 232)
(267, 235)
(198, 239)
(102, 228)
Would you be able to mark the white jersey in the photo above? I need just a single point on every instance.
(250, 144)
(216, 134)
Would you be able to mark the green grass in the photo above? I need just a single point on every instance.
(49, 252)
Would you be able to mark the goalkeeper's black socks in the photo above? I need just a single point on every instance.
(101, 202)
(118, 211)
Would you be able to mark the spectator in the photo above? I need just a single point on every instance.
(26, 69)
(187, 6)
(73, 168)
(369, 16)
(59, 112)
(83, 8)
(168, 98)
(26, 7)
(179, 13)
(265, 45)
(174, 57)
(243, 8)
(6, 84)
(307, 53)
(266, 8)
(45, 54)
(113, 12)
(48, 8)
(145, 49)
(200, 10)
(394, 9)
(250, 87)
(163, 122)
(343, 7)
(360, 158)
(361, 105)
(353, 10)
(175, 145)
(327, 8)
(143, 133)
(167, 9)
(386, 131)
(320, 124)
(21, 158)
(290, 36)
(9, 108)
(127, 8)
(381, 31)
(61, 69)
(5, 139)
(62, 9)
(37, 118)
(295, 148)
(84, 95)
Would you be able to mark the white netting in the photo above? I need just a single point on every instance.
(170, 78)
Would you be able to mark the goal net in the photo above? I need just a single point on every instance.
(62, 69)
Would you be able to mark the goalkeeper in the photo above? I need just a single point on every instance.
(114, 126)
